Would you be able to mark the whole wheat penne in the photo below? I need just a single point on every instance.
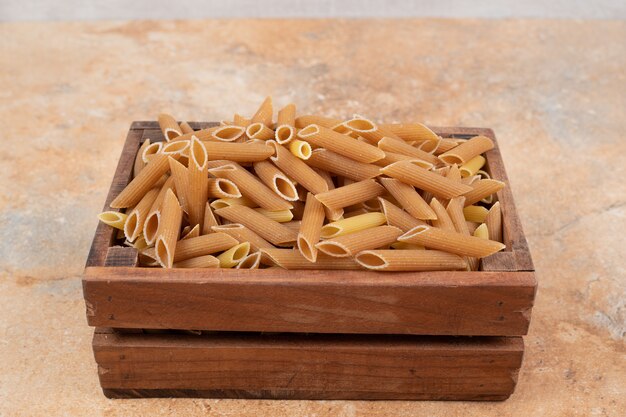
(209, 219)
(276, 180)
(169, 126)
(341, 144)
(265, 227)
(293, 225)
(429, 146)
(409, 260)
(353, 243)
(133, 226)
(444, 145)
(180, 174)
(310, 228)
(228, 133)
(203, 245)
(304, 121)
(222, 188)
(412, 131)
(372, 205)
(397, 217)
(494, 222)
(481, 189)
(191, 232)
(206, 261)
(476, 214)
(300, 148)
(139, 162)
(234, 255)
(285, 134)
(443, 220)
(202, 134)
(348, 195)
(185, 128)
(368, 130)
(352, 225)
(467, 150)
(198, 191)
(453, 242)
(280, 216)
(169, 228)
(238, 152)
(251, 187)
(331, 214)
(296, 169)
(251, 261)
(293, 259)
(180, 147)
(226, 202)
(352, 213)
(410, 173)
(455, 212)
(342, 165)
(406, 246)
(454, 174)
(139, 186)
(398, 146)
(114, 219)
(243, 234)
(239, 120)
(391, 157)
(151, 150)
(265, 112)
(472, 166)
(482, 231)
(409, 199)
(259, 131)
(287, 115)
(151, 224)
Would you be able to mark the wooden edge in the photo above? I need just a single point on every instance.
(151, 124)
(122, 256)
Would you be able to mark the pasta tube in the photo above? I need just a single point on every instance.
(280, 216)
(482, 231)
(239, 120)
(237, 152)
(264, 113)
(243, 234)
(228, 133)
(259, 131)
(412, 132)
(348, 195)
(287, 115)
(455, 212)
(276, 180)
(234, 255)
(493, 220)
(443, 220)
(139, 162)
(252, 261)
(467, 150)
(353, 243)
(133, 226)
(222, 188)
(476, 214)
(472, 166)
(180, 175)
(368, 129)
(398, 146)
(352, 224)
(226, 202)
(189, 232)
(151, 224)
(397, 217)
(452, 242)
(331, 214)
(409, 260)
(169, 228)
(185, 128)
(206, 261)
(209, 219)
(296, 168)
(139, 186)
(300, 148)
(341, 144)
(113, 218)
(150, 150)
(265, 227)
(198, 190)
(482, 189)
(293, 259)
(169, 126)
(409, 199)
(342, 165)
(310, 228)
(203, 245)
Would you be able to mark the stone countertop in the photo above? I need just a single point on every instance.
(553, 91)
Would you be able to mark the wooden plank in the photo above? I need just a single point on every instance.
(298, 366)
(442, 303)
(152, 124)
(122, 256)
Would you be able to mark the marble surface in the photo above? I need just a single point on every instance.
(552, 90)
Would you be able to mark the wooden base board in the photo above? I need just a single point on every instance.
(301, 366)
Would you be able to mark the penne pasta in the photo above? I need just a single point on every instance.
(493, 220)
(444, 145)
(227, 202)
(204, 134)
(352, 225)
(252, 261)
(407, 246)
(293, 259)
(400, 147)
(348, 195)
(481, 189)
(239, 120)
(412, 132)
(397, 217)
(331, 214)
(342, 165)
(328, 122)
(353, 243)
(238, 152)
(259, 131)
(287, 115)
(185, 128)
(113, 218)
(280, 216)
(169, 126)
(198, 189)
(472, 166)
(409, 260)
(180, 174)
(150, 151)
(466, 151)
(341, 144)
(443, 220)
(234, 255)
(276, 180)
(243, 234)
(264, 113)
(228, 133)
(412, 174)
(203, 245)
(310, 228)
(482, 232)
(300, 148)
(191, 232)
(151, 224)
(139, 162)
(454, 173)
(169, 228)
(409, 199)
(133, 227)
(296, 169)
(293, 225)
(206, 261)
(368, 130)
(476, 214)
(209, 219)
(453, 242)
(455, 212)
(391, 157)
(222, 188)
(268, 229)
(285, 134)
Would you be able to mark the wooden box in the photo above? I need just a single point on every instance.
(369, 335)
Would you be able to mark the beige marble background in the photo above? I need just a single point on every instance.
(552, 90)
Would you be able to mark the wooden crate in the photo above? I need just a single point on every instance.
(359, 308)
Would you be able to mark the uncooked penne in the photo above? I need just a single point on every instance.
(352, 225)
(409, 199)
(293, 259)
(259, 131)
(239, 120)
(481, 189)
(413, 174)
(251, 261)
(185, 128)
(287, 115)
(306, 120)
(453, 242)
(198, 189)
(151, 224)
(444, 145)
(222, 188)
(296, 169)
(341, 165)
(331, 214)
(348, 195)
(397, 217)
(310, 228)
(280, 216)
(391, 157)
(401, 147)
(234, 255)
(455, 212)
(209, 219)
(189, 232)
(284, 134)
(412, 132)
(353, 243)
(276, 180)
(341, 144)
(268, 229)
(206, 261)
(472, 166)
(467, 150)
(493, 220)
(409, 260)
(180, 174)
(226, 202)
(243, 234)
(368, 130)
(265, 113)
(133, 226)
(482, 231)
(476, 214)
(443, 220)
(228, 133)
(238, 152)
(114, 219)
(139, 162)
(169, 229)
(139, 186)
(203, 134)
(150, 151)
(300, 148)
(203, 245)
(169, 126)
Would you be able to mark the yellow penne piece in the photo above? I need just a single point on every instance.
(259, 131)
(401, 147)
(133, 226)
(197, 193)
(276, 180)
(368, 130)
(310, 228)
(251, 187)
(453, 242)
(472, 166)
(412, 174)
(238, 152)
(300, 148)
(234, 255)
(409, 199)
(151, 224)
(409, 260)
(342, 144)
(353, 243)
(265, 227)
(352, 225)
(227, 202)
(113, 219)
(222, 188)
(443, 220)
(139, 162)
(228, 133)
(191, 233)
(264, 113)
(280, 216)
(481, 189)
(412, 132)
(328, 122)
(139, 186)
(476, 214)
(169, 228)
(169, 126)
(342, 165)
(397, 217)
(482, 232)
(185, 128)
(293, 259)
(493, 220)
(252, 261)
(467, 150)
(203, 245)
(206, 261)
(296, 169)
(243, 234)
(348, 195)
(483, 175)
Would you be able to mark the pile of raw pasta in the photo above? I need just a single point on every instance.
(309, 192)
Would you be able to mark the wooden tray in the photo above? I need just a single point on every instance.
(496, 301)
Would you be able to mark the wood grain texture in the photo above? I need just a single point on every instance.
(122, 256)
(297, 366)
